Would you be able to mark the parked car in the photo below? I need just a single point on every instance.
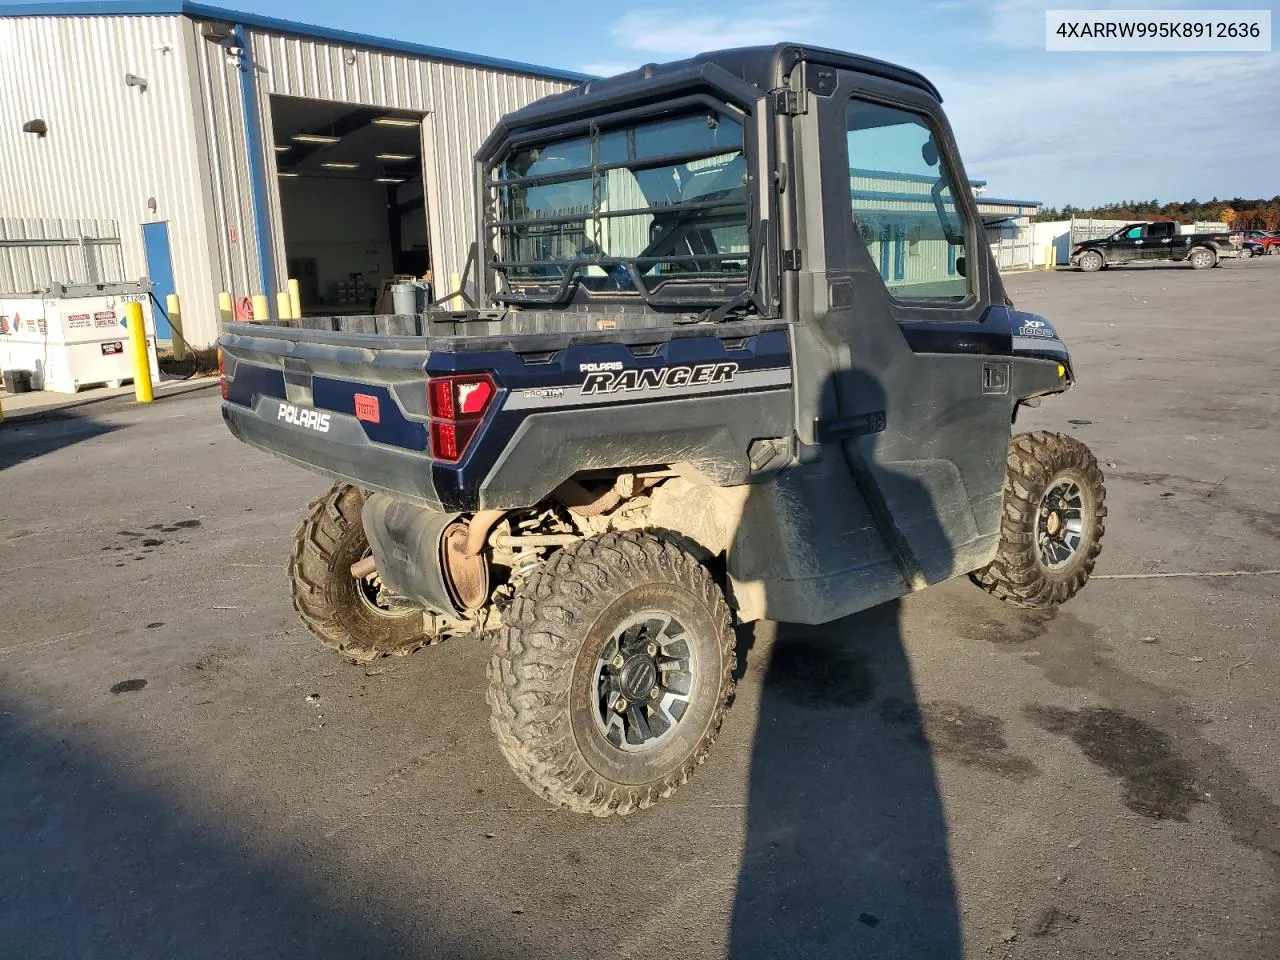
(1158, 240)
(1259, 243)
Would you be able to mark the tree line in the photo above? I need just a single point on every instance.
(1237, 212)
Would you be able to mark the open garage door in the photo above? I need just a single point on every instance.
(352, 201)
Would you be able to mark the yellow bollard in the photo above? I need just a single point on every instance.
(226, 311)
(174, 309)
(261, 307)
(295, 299)
(283, 306)
(138, 351)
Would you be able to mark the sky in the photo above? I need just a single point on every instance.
(1080, 128)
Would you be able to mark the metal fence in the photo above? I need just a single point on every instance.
(35, 253)
(1017, 253)
(1088, 228)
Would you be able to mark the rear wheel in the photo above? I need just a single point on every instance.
(1091, 261)
(341, 611)
(1051, 530)
(1246, 253)
(1202, 258)
(611, 673)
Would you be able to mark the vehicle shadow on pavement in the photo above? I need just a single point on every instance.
(846, 851)
(97, 863)
(21, 441)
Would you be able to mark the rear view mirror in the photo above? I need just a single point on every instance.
(929, 151)
(960, 266)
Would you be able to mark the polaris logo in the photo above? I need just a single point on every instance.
(304, 417)
(697, 375)
(596, 367)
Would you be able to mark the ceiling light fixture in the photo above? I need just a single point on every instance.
(283, 148)
(287, 173)
(394, 156)
(340, 166)
(387, 180)
(396, 121)
(314, 138)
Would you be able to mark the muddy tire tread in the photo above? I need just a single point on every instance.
(535, 649)
(328, 522)
(1014, 576)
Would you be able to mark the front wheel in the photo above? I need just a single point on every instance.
(1051, 530)
(1091, 261)
(611, 673)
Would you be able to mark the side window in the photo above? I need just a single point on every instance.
(1160, 230)
(904, 205)
(1134, 234)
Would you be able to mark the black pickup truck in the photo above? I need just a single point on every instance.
(1157, 240)
(705, 377)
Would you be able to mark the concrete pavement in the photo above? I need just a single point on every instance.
(184, 773)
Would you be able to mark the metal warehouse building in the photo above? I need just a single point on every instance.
(218, 151)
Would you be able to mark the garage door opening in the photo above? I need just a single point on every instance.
(351, 200)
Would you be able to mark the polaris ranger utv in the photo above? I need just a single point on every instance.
(734, 348)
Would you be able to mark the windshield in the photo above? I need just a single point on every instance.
(657, 201)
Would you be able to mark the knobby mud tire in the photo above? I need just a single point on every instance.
(328, 599)
(554, 629)
(1017, 575)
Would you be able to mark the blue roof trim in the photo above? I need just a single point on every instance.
(106, 8)
(1010, 203)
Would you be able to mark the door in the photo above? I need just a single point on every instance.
(1157, 241)
(910, 278)
(155, 243)
(1127, 243)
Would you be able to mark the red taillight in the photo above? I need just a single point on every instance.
(222, 377)
(457, 405)
(444, 441)
(473, 398)
(440, 399)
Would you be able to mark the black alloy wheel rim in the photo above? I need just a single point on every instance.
(644, 681)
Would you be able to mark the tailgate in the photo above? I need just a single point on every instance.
(352, 407)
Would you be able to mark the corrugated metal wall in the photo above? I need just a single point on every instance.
(464, 103)
(899, 224)
(110, 147)
(37, 253)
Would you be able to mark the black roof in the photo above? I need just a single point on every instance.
(763, 67)
(742, 74)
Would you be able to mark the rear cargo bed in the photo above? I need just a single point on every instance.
(347, 397)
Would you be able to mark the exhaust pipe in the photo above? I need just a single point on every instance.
(363, 568)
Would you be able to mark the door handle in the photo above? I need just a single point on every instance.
(1166, 240)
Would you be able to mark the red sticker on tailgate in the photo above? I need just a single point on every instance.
(367, 408)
